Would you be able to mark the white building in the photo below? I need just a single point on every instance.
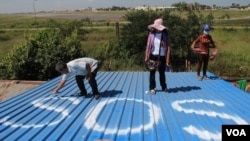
(144, 7)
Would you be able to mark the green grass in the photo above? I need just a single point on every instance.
(234, 48)
(16, 21)
(11, 38)
(97, 38)
(219, 14)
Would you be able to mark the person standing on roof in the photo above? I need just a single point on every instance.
(158, 49)
(81, 68)
(204, 42)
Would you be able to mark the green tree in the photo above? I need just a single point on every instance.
(35, 59)
(134, 35)
(69, 26)
(181, 31)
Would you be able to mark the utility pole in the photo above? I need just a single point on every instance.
(35, 12)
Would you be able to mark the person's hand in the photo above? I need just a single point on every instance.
(162, 43)
(55, 91)
(212, 57)
(167, 64)
(88, 77)
(215, 52)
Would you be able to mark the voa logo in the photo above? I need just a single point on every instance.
(236, 132)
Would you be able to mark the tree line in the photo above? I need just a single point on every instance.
(35, 58)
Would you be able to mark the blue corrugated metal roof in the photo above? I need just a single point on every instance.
(193, 110)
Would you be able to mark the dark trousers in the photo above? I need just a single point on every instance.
(92, 82)
(161, 69)
(202, 60)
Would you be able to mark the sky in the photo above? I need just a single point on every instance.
(23, 6)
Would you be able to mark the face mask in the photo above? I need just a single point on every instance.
(206, 32)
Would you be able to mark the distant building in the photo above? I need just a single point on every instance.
(144, 7)
(248, 8)
(200, 7)
(88, 9)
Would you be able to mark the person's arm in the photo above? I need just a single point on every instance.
(168, 56)
(88, 71)
(195, 42)
(147, 49)
(168, 51)
(60, 85)
(215, 51)
(212, 43)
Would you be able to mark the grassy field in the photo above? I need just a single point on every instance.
(234, 51)
(231, 34)
(232, 14)
(9, 39)
(17, 21)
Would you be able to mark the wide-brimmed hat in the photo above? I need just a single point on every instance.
(158, 25)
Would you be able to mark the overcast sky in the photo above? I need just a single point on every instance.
(19, 6)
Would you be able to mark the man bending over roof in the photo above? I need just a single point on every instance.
(81, 68)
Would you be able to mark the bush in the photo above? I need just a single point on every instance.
(35, 59)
